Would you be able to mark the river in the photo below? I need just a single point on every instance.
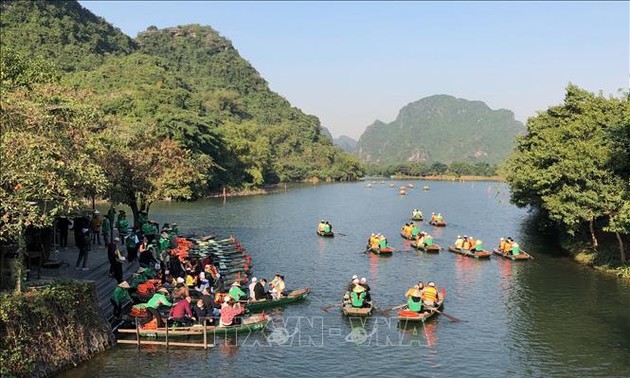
(543, 317)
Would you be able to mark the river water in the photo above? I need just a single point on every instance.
(544, 317)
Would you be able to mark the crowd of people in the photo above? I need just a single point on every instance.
(421, 298)
(468, 243)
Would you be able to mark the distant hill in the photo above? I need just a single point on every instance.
(188, 81)
(346, 143)
(441, 128)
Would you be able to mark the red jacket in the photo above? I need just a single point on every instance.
(180, 309)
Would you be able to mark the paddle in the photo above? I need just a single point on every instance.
(339, 233)
(326, 308)
(450, 317)
(387, 310)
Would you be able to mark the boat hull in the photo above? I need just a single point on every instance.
(293, 297)
(476, 255)
(430, 249)
(326, 234)
(521, 256)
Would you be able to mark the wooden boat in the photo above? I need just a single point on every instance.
(435, 248)
(402, 192)
(348, 310)
(417, 219)
(326, 234)
(521, 256)
(292, 297)
(438, 224)
(386, 251)
(466, 252)
(405, 315)
(410, 186)
(252, 323)
(426, 187)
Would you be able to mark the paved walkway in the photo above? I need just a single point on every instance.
(98, 272)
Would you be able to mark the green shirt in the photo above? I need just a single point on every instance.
(428, 241)
(413, 305)
(158, 299)
(163, 244)
(120, 296)
(236, 293)
(357, 299)
(382, 243)
(106, 227)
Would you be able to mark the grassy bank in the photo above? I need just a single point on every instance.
(604, 259)
(47, 329)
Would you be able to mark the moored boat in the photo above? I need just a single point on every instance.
(521, 256)
(465, 252)
(435, 248)
(292, 297)
(405, 315)
(252, 323)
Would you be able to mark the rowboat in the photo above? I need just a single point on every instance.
(349, 310)
(384, 251)
(417, 218)
(435, 248)
(329, 234)
(438, 224)
(292, 297)
(466, 252)
(252, 323)
(521, 256)
(411, 316)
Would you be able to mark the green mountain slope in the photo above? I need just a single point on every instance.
(62, 31)
(188, 81)
(441, 128)
(346, 143)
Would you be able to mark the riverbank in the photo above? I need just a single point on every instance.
(450, 178)
(47, 329)
(605, 259)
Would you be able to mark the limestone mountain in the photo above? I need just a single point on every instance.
(441, 128)
(346, 143)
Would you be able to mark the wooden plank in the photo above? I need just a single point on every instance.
(147, 342)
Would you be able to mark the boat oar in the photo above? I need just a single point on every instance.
(387, 310)
(451, 317)
(342, 234)
(326, 308)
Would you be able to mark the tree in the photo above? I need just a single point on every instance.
(47, 145)
(563, 165)
(143, 168)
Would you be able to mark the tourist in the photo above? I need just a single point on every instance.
(411, 291)
(364, 284)
(259, 290)
(277, 286)
(84, 244)
(146, 258)
(181, 290)
(236, 292)
(229, 313)
(111, 256)
(120, 297)
(430, 295)
(131, 243)
(201, 312)
(251, 288)
(63, 223)
(96, 227)
(209, 303)
(158, 299)
(459, 242)
(106, 230)
(357, 296)
(182, 313)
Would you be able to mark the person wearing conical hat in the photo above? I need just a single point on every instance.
(236, 292)
(158, 299)
(358, 296)
(120, 296)
(414, 299)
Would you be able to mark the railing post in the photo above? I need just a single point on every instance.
(205, 334)
(137, 333)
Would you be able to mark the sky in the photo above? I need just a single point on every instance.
(350, 63)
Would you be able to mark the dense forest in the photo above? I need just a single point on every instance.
(186, 83)
(573, 166)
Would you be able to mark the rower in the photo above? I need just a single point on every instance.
(478, 246)
(358, 296)
(516, 250)
(236, 292)
(414, 301)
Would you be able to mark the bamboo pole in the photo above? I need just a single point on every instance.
(171, 343)
(205, 334)
(137, 333)
(166, 327)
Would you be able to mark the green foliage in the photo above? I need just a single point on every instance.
(44, 329)
(566, 165)
(441, 129)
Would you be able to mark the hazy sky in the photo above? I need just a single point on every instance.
(350, 63)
